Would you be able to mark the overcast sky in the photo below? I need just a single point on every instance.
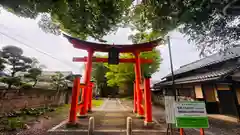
(22, 31)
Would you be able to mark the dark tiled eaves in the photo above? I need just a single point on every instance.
(210, 60)
(208, 76)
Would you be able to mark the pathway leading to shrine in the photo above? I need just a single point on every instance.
(112, 118)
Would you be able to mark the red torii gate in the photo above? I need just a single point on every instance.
(122, 60)
(90, 47)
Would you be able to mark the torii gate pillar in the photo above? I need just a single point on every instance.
(90, 97)
(87, 77)
(137, 85)
(74, 102)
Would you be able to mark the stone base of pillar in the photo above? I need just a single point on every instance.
(140, 116)
(72, 125)
(148, 124)
(90, 111)
(82, 116)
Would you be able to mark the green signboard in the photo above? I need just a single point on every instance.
(191, 114)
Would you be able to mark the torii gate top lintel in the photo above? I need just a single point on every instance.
(123, 48)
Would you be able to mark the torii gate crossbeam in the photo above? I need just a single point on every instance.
(122, 60)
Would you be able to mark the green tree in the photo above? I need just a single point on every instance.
(16, 62)
(58, 82)
(2, 62)
(124, 73)
(34, 72)
(80, 18)
(120, 74)
(203, 21)
(98, 76)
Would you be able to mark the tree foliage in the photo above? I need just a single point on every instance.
(80, 18)
(202, 20)
(121, 73)
(34, 72)
(16, 62)
(2, 66)
(58, 81)
(98, 72)
(98, 76)
(124, 73)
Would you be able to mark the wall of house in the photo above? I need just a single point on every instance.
(238, 94)
(32, 98)
(198, 91)
(227, 99)
(209, 93)
(158, 98)
(186, 92)
(223, 87)
(216, 93)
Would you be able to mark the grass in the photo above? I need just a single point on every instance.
(97, 103)
(127, 98)
(61, 110)
(15, 123)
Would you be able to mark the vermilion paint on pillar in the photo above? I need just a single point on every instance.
(202, 131)
(90, 97)
(87, 81)
(135, 99)
(148, 100)
(87, 97)
(138, 82)
(181, 131)
(74, 102)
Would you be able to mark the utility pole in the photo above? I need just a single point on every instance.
(170, 57)
(173, 82)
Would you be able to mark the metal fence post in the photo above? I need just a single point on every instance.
(129, 126)
(91, 126)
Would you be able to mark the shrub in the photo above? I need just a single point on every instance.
(26, 86)
(14, 124)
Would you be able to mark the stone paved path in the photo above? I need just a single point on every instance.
(113, 116)
(111, 119)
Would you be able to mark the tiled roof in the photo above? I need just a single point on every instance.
(210, 60)
(46, 75)
(65, 73)
(212, 75)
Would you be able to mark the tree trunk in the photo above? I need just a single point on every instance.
(12, 75)
(35, 82)
(56, 96)
(9, 86)
(3, 94)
